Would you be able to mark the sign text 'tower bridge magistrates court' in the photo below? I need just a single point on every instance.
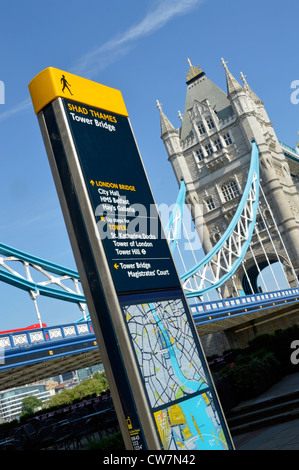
(161, 387)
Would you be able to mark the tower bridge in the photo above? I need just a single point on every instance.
(211, 152)
(38, 353)
(241, 186)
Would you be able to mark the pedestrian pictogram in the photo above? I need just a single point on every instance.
(65, 83)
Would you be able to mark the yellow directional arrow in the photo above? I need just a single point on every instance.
(116, 266)
(92, 182)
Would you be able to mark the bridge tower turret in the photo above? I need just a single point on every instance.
(211, 150)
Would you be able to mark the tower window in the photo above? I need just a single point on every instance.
(200, 155)
(210, 123)
(210, 203)
(268, 218)
(216, 236)
(218, 144)
(259, 224)
(209, 149)
(201, 128)
(230, 190)
(227, 139)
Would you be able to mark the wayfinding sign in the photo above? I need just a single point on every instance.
(160, 383)
(126, 215)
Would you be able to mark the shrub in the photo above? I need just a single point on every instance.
(112, 443)
(262, 341)
(254, 373)
(279, 344)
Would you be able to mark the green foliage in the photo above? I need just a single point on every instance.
(90, 387)
(261, 341)
(29, 404)
(251, 372)
(106, 444)
(278, 344)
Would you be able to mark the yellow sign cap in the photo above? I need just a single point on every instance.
(53, 83)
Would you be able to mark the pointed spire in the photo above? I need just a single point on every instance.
(249, 90)
(243, 78)
(232, 84)
(166, 125)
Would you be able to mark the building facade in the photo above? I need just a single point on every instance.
(211, 151)
(11, 400)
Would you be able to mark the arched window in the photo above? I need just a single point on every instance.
(210, 202)
(268, 218)
(201, 128)
(259, 224)
(230, 190)
(218, 144)
(227, 139)
(210, 123)
(209, 149)
(216, 237)
(200, 155)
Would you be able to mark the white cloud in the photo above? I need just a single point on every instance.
(164, 11)
(22, 106)
(101, 57)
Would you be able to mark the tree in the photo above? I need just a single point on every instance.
(101, 376)
(93, 386)
(29, 404)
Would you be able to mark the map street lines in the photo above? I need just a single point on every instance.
(174, 376)
(166, 351)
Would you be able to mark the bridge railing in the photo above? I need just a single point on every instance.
(40, 335)
(289, 150)
(200, 312)
(231, 305)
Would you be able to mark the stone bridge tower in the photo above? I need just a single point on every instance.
(211, 151)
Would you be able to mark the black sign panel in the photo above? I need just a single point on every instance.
(127, 218)
(164, 396)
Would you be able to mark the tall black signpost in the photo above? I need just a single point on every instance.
(160, 384)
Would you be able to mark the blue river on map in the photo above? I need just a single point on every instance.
(194, 406)
(209, 437)
(192, 385)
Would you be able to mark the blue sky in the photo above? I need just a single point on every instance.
(140, 48)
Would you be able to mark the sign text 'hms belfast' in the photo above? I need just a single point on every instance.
(161, 387)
